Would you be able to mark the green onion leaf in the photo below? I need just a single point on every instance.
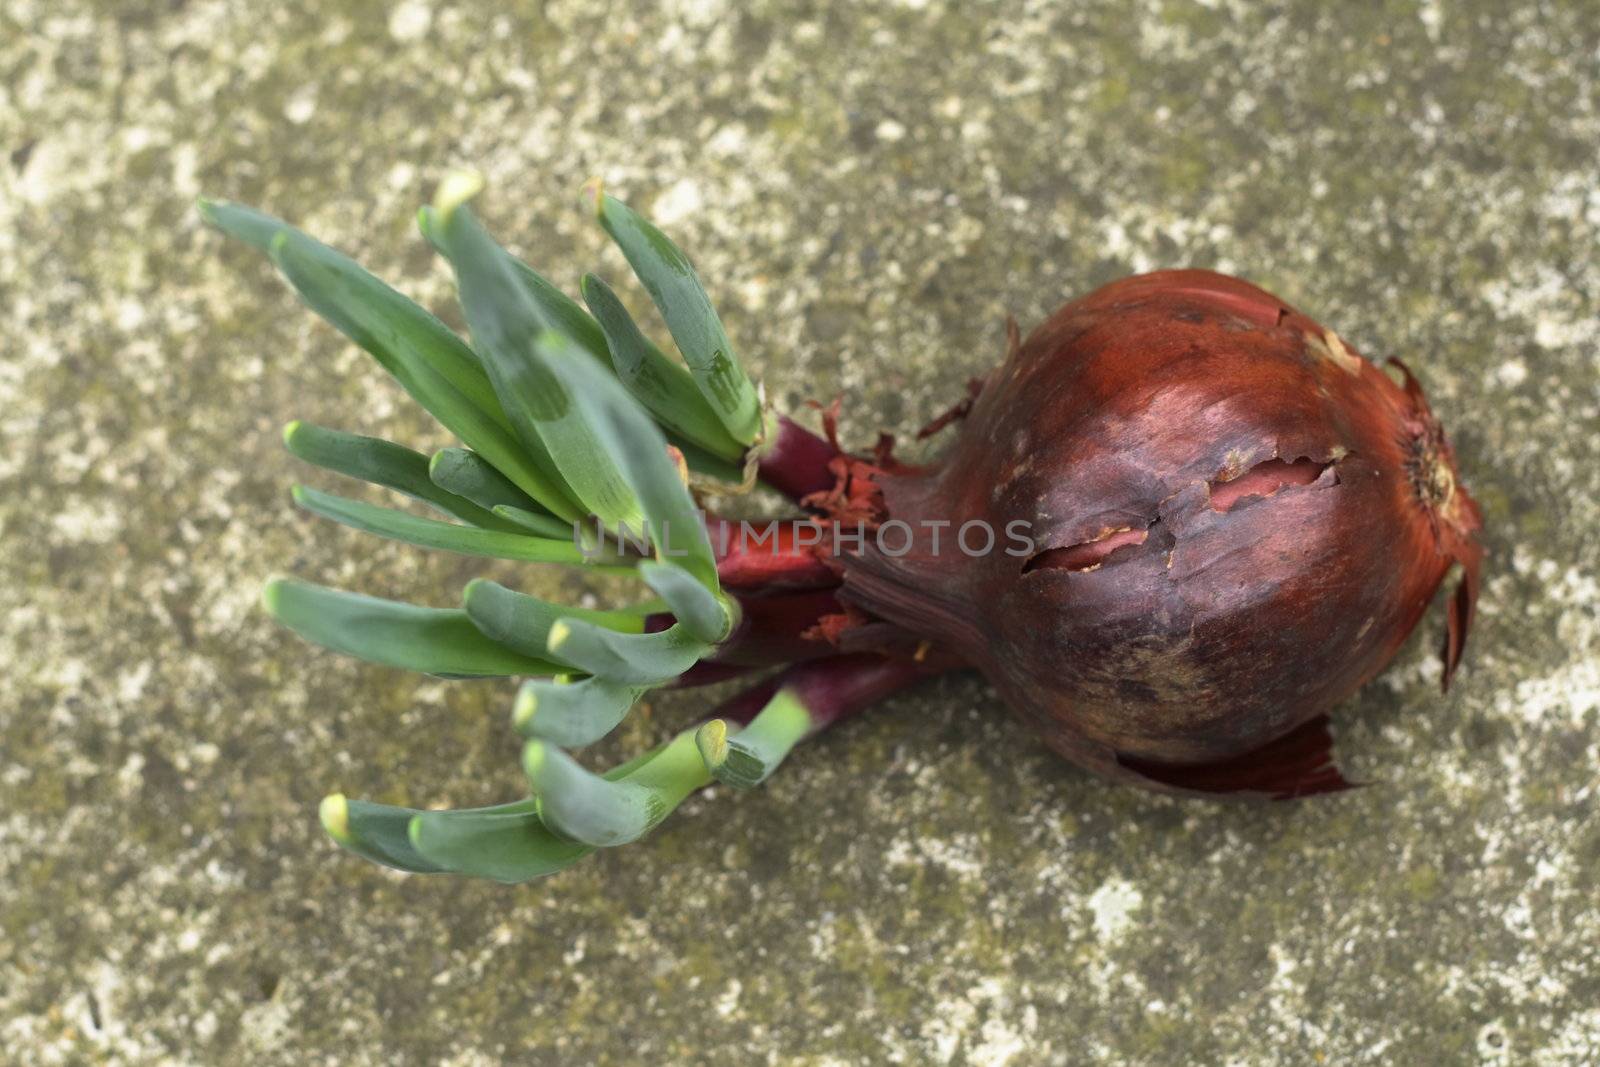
(562, 313)
(469, 475)
(466, 474)
(463, 401)
(431, 533)
(254, 228)
(429, 361)
(619, 424)
(376, 317)
(384, 463)
(627, 659)
(608, 811)
(660, 384)
(518, 347)
(671, 281)
(559, 311)
(440, 641)
(377, 832)
(706, 615)
(508, 844)
(573, 713)
(534, 522)
(523, 622)
(748, 757)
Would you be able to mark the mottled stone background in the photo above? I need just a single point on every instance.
(869, 187)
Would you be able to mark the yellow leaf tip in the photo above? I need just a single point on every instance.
(334, 813)
(457, 188)
(712, 741)
(560, 633)
(533, 758)
(527, 704)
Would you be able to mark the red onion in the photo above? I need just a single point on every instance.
(1180, 523)
(1237, 521)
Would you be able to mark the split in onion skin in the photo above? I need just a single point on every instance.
(1236, 522)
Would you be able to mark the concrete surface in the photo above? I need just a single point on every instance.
(869, 186)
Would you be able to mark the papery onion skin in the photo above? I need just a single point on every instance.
(1206, 632)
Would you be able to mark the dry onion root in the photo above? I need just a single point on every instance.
(1233, 521)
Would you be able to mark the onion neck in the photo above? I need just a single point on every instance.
(925, 590)
(795, 461)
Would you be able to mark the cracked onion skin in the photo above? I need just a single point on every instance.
(1236, 519)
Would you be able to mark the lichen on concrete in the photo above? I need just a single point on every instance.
(869, 188)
